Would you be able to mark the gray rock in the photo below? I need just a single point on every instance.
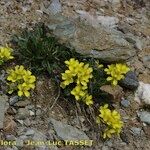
(125, 103)
(144, 116)
(22, 103)
(39, 136)
(109, 143)
(136, 131)
(19, 143)
(146, 61)
(21, 130)
(108, 21)
(103, 43)
(13, 100)
(105, 148)
(11, 111)
(130, 81)
(67, 132)
(3, 100)
(23, 137)
(30, 132)
(138, 44)
(27, 122)
(10, 137)
(54, 8)
(22, 114)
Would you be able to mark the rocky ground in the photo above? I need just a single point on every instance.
(119, 30)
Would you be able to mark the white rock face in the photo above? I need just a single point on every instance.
(142, 94)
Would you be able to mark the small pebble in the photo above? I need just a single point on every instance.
(13, 100)
(136, 131)
(125, 103)
(30, 132)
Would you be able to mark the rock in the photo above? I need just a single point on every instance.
(142, 94)
(31, 113)
(125, 103)
(108, 21)
(144, 77)
(115, 93)
(54, 8)
(114, 2)
(146, 61)
(23, 137)
(147, 131)
(67, 132)
(10, 137)
(20, 121)
(108, 45)
(30, 132)
(22, 103)
(130, 81)
(21, 130)
(136, 131)
(144, 116)
(105, 148)
(13, 100)
(19, 143)
(96, 21)
(138, 44)
(27, 122)
(3, 100)
(11, 111)
(22, 114)
(39, 136)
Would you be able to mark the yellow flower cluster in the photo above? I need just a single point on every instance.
(79, 73)
(5, 54)
(112, 119)
(116, 72)
(22, 79)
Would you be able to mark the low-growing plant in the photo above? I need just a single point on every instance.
(112, 120)
(116, 72)
(20, 80)
(5, 54)
(80, 74)
(41, 51)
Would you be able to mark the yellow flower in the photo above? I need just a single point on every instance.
(116, 72)
(88, 100)
(78, 92)
(23, 79)
(12, 76)
(5, 53)
(111, 119)
(23, 90)
(79, 73)
(108, 133)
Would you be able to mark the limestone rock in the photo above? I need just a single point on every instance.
(101, 42)
(142, 95)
